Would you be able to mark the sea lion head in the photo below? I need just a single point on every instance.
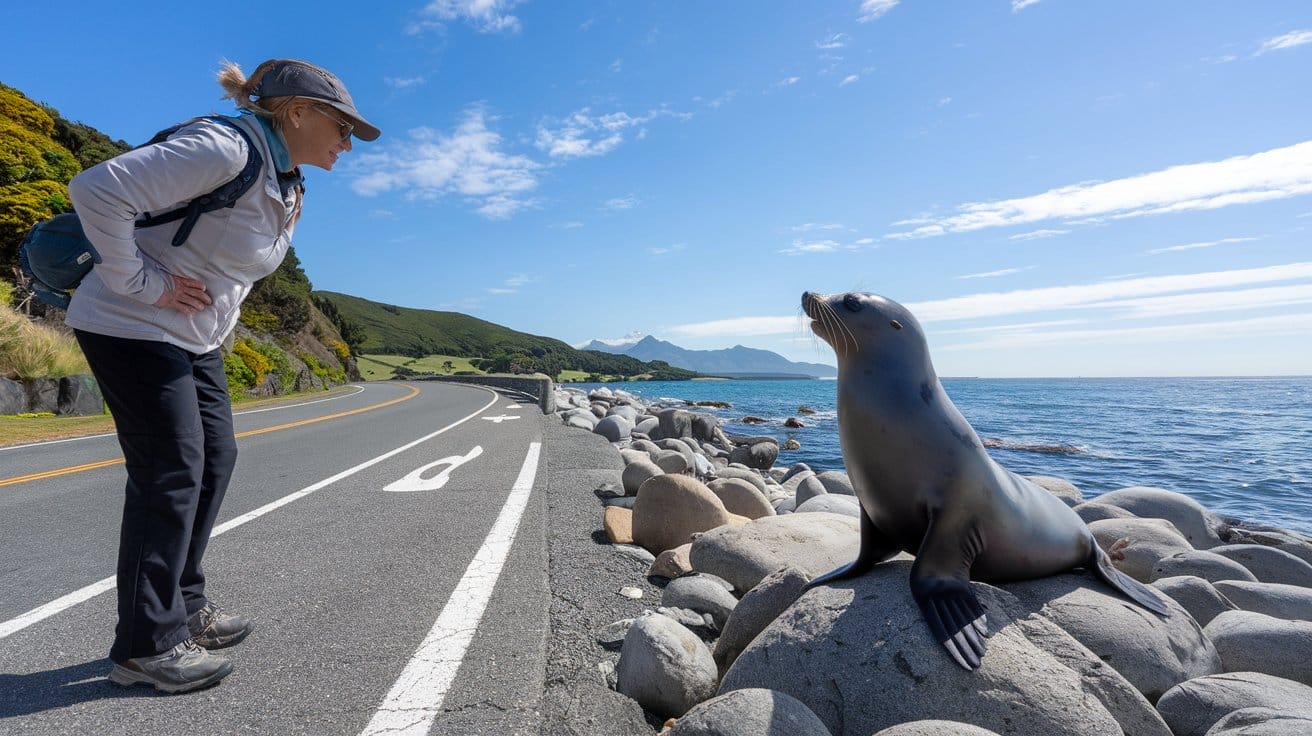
(865, 327)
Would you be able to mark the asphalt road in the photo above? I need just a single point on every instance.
(390, 544)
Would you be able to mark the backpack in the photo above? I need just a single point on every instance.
(56, 254)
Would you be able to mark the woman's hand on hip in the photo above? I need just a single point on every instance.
(187, 295)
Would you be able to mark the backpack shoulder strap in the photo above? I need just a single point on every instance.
(225, 196)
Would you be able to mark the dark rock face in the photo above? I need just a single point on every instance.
(80, 396)
(13, 397)
(42, 395)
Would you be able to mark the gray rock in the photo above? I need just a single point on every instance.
(42, 395)
(647, 446)
(13, 397)
(743, 555)
(810, 487)
(647, 425)
(706, 428)
(628, 412)
(741, 497)
(1155, 653)
(760, 455)
(786, 505)
(742, 473)
(758, 608)
(836, 481)
(1193, 707)
(665, 667)
(675, 423)
(638, 472)
(632, 454)
(679, 446)
(699, 623)
(80, 396)
(750, 712)
(792, 482)
(581, 419)
(1204, 564)
(702, 595)
(1268, 564)
(833, 504)
(1137, 545)
(1092, 511)
(1262, 722)
(1200, 526)
(793, 470)
(674, 462)
(1059, 487)
(1256, 642)
(1283, 540)
(1290, 602)
(1199, 597)
(859, 656)
(611, 636)
(936, 728)
(614, 428)
(635, 552)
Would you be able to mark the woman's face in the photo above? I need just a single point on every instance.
(317, 135)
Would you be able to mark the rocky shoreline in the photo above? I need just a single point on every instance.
(725, 641)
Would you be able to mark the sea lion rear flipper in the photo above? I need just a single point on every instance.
(940, 583)
(875, 548)
(1133, 589)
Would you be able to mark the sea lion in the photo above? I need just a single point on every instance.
(928, 487)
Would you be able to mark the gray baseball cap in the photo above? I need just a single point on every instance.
(303, 79)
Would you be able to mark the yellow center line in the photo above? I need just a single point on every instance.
(290, 425)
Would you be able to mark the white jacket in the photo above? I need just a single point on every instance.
(229, 249)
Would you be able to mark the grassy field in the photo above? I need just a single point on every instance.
(379, 367)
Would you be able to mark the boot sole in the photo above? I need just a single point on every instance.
(223, 642)
(127, 678)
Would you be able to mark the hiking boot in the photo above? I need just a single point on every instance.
(213, 629)
(180, 669)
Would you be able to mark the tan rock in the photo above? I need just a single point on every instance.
(618, 522)
(672, 562)
(671, 508)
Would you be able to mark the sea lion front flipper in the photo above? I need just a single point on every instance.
(1131, 588)
(875, 548)
(940, 583)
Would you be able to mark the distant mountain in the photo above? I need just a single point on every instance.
(735, 361)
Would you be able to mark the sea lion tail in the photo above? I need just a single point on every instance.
(1133, 589)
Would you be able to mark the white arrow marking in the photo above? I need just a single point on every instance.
(501, 418)
(514, 406)
(416, 481)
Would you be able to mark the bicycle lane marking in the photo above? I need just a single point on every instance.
(416, 697)
(42, 612)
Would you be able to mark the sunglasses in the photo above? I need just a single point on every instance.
(344, 128)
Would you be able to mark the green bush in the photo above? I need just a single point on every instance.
(240, 376)
(278, 361)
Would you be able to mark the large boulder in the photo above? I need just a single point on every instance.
(1268, 564)
(671, 508)
(1193, 707)
(674, 423)
(742, 472)
(1200, 526)
(665, 667)
(757, 609)
(636, 473)
(42, 395)
(80, 396)
(935, 728)
(831, 503)
(740, 497)
(614, 428)
(1273, 599)
(1208, 566)
(1136, 545)
(1155, 653)
(743, 555)
(810, 487)
(759, 455)
(750, 712)
(1256, 642)
(701, 594)
(1200, 598)
(1262, 722)
(859, 654)
(1059, 487)
(13, 397)
(836, 481)
(1091, 511)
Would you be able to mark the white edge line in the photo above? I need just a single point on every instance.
(47, 610)
(417, 695)
(235, 414)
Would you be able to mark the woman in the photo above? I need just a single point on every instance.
(151, 317)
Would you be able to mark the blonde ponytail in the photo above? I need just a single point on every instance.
(240, 89)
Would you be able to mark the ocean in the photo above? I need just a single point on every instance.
(1239, 446)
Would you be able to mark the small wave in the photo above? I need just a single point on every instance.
(1057, 449)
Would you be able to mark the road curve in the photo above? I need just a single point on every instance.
(389, 543)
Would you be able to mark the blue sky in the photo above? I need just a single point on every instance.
(1056, 188)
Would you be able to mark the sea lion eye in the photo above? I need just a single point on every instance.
(895, 325)
(852, 303)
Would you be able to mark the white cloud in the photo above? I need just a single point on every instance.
(486, 16)
(583, 134)
(429, 164)
(403, 82)
(660, 251)
(874, 9)
(1267, 297)
(570, 225)
(1195, 246)
(807, 227)
(739, 326)
(801, 247)
(617, 65)
(1212, 332)
(1038, 234)
(621, 203)
(836, 41)
(944, 101)
(849, 79)
(865, 241)
(1275, 174)
(994, 274)
(1287, 41)
(1019, 5)
(789, 81)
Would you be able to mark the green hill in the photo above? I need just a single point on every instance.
(371, 327)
